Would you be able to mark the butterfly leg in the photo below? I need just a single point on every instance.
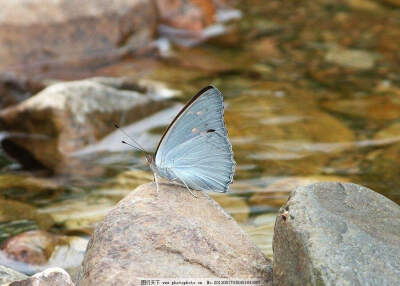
(189, 189)
(156, 180)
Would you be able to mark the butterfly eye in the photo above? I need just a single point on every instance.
(194, 130)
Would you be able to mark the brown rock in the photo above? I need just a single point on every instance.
(58, 32)
(50, 277)
(39, 250)
(32, 247)
(65, 117)
(169, 234)
(376, 107)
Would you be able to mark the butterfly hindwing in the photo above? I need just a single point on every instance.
(195, 149)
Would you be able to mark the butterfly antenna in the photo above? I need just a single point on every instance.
(138, 147)
(134, 147)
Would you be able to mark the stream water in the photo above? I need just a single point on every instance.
(302, 105)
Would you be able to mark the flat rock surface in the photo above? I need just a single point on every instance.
(170, 235)
(337, 234)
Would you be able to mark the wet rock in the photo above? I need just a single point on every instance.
(171, 234)
(9, 275)
(68, 116)
(366, 5)
(392, 2)
(380, 165)
(265, 48)
(58, 33)
(376, 107)
(50, 277)
(277, 193)
(27, 187)
(337, 234)
(351, 58)
(39, 250)
(11, 210)
(392, 132)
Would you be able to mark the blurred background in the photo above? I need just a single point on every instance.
(311, 88)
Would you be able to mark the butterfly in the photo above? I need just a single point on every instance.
(195, 150)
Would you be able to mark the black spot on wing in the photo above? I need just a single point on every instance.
(210, 130)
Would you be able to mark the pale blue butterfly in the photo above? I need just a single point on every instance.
(195, 149)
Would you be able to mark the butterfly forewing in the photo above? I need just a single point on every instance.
(195, 148)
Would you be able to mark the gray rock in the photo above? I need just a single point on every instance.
(67, 116)
(337, 234)
(50, 277)
(9, 275)
(170, 235)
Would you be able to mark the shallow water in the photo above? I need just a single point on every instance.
(302, 105)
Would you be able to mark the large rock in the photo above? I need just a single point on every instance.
(173, 235)
(337, 234)
(68, 116)
(57, 31)
(50, 277)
